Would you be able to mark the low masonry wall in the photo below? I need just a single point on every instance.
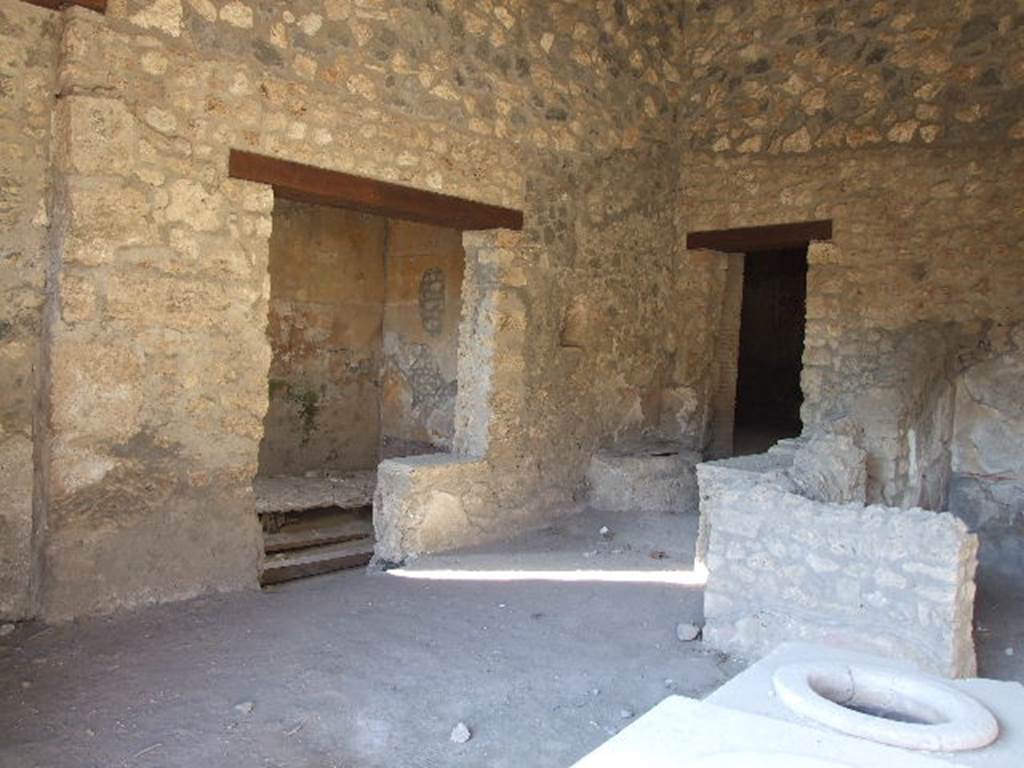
(782, 566)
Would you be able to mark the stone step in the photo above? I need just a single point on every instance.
(321, 535)
(313, 561)
(281, 494)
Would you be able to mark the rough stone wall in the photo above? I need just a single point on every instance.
(705, 296)
(988, 451)
(899, 582)
(603, 300)
(28, 46)
(903, 414)
(901, 122)
(159, 355)
(583, 331)
(925, 258)
(421, 334)
(327, 288)
(158, 365)
(812, 75)
(567, 343)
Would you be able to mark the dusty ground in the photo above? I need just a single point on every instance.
(360, 669)
(370, 670)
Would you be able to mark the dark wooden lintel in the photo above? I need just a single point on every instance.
(310, 184)
(100, 6)
(768, 238)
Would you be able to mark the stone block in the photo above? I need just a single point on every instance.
(440, 502)
(830, 468)
(101, 136)
(656, 477)
(427, 504)
(989, 428)
(105, 214)
(193, 204)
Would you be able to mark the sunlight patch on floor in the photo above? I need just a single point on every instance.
(692, 578)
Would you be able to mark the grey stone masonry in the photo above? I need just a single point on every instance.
(781, 566)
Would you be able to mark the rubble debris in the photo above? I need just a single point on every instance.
(687, 632)
(461, 733)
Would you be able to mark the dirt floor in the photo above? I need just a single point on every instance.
(544, 647)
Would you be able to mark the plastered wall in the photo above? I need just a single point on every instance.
(423, 305)
(327, 288)
(364, 315)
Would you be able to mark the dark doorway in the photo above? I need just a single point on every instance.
(768, 395)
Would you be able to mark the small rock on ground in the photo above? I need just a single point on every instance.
(245, 707)
(461, 734)
(687, 632)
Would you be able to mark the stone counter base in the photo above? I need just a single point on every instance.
(899, 582)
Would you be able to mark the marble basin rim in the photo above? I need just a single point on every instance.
(894, 707)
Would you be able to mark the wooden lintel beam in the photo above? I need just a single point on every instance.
(773, 237)
(309, 184)
(100, 6)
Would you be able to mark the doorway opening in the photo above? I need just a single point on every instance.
(759, 354)
(365, 305)
(771, 344)
(363, 329)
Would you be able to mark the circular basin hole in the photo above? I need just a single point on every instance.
(888, 703)
(888, 706)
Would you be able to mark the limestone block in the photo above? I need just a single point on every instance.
(237, 14)
(160, 15)
(994, 508)
(193, 204)
(989, 426)
(101, 136)
(987, 487)
(643, 478)
(831, 468)
(96, 388)
(426, 504)
(105, 214)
